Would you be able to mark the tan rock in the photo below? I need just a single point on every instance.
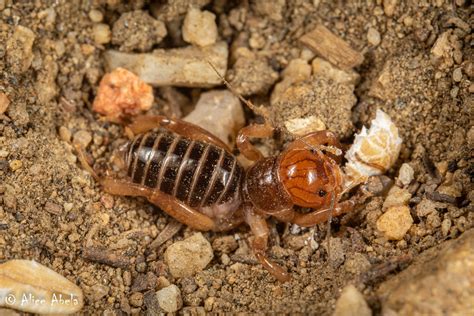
(20, 49)
(439, 282)
(185, 258)
(199, 27)
(395, 222)
(351, 303)
(325, 69)
(4, 102)
(396, 196)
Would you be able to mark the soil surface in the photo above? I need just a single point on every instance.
(419, 72)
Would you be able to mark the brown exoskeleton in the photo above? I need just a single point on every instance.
(193, 176)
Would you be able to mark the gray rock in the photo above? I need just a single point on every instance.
(439, 282)
(185, 67)
(169, 299)
(185, 258)
(351, 303)
(220, 113)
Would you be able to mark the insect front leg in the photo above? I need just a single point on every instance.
(260, 230)
(243, 140)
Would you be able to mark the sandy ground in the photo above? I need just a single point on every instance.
(419, 72)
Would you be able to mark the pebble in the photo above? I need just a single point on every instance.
(323, 68)
(457, 74)
(441, 46)
(19, 49)
(20, 277)
(64, 134)
(4, 103)
(220, 113)
(3, 153)
(389, 7)
(199, 27)
(395, 222)
(406, 174)
(373, 36)
(137, 31)
(136, 299)
(351, 302)
(185, 258)
(297, 70)
(225, 244)
(82, 138)
(302, 126)
(101, 33)
(186, 67)
(15, 164)
(169, 299)
(396, 196)
(96, 16)
(121, 93)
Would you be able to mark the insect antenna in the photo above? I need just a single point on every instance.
(83, 160)
(257, 110)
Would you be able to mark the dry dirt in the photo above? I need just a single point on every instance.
(54, 212)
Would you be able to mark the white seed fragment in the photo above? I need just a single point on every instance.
(374, 151)
(27, 279)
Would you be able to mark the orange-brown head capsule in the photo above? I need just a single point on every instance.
(312, 178)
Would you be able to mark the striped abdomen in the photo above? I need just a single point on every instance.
(197, 173)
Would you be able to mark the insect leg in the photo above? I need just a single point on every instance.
(145, 123)
(323, 215)
(259, 228)
(181, 212)
(243, 140)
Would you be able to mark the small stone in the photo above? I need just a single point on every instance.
(53, 208)
(389, 7)
(137, 31)
(406, 174)
(20, 49)
(446, 226)
(199, 27)
(373, 36)
(302, 126)
(351, 302)
(225, 244)
(82, 138)
(225, 259)
(252, 75)
(121, 93)
(136, 299)
(65, 134)
(323, 68)
(356, 264)
(297, 70)
(441, 46)
(186, 67)
(395, 222)
(336, 251)
(74, 237)
(15, 165)
(396, 196)
(457, 74)
(169, 299)
(185, 258)
(426, 207)
(98, 292)
(4, 103)
(101, 33)
(3, 154)
(219, 112)
(96, 16)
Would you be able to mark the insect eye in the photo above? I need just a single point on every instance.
(322, 193)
